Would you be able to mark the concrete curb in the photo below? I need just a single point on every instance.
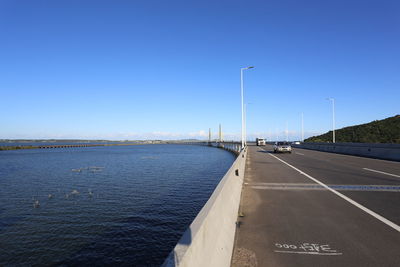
(377, 151)
(210, 238)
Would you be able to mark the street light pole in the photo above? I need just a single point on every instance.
(245, 126)
(302, 127)
(242, 104)
(287, 133)
(333, 118)
(245, 123)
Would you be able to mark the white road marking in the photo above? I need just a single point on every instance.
(370, 212)
(299, 153)
(313, 186)
(371, 170)
(311, 253)
(307, 248)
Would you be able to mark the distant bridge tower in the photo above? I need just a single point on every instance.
(209, 134)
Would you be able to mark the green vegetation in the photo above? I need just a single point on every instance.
(380, 131)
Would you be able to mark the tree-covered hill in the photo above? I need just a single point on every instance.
(379, 131)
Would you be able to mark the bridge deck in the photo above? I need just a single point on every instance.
(292, 219)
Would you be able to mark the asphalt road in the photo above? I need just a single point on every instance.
(312, 208)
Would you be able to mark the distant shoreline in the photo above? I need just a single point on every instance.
(61, 146)
(90, 141)
(82, 143)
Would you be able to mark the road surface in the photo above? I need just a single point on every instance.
(312, 208)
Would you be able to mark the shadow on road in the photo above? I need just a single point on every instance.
(265, 151)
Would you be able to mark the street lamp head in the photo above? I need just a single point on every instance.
(251, 67)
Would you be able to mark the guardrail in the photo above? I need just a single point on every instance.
(378, 151)
(209, 239)
(232, 146)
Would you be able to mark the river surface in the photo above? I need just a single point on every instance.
(102, 206)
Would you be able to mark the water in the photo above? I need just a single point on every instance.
(118, 205)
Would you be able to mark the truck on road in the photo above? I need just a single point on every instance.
(260, 141)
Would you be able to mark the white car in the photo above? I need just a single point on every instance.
(282, 147)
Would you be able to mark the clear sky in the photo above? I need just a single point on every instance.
(171, 69)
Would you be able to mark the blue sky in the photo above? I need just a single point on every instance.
(171, 69)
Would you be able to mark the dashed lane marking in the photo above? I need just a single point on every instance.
(365, 209)
(299, 153)
(381, 172)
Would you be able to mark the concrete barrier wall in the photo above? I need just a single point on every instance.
(209, 239)
(379, 151)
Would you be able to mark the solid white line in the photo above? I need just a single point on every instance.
(338, 187)
(371, 170)
(299, 153)
(370, 212)
(310, 253)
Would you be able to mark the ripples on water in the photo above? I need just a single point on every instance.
(130, 211)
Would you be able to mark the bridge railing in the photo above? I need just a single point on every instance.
(232, 146)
